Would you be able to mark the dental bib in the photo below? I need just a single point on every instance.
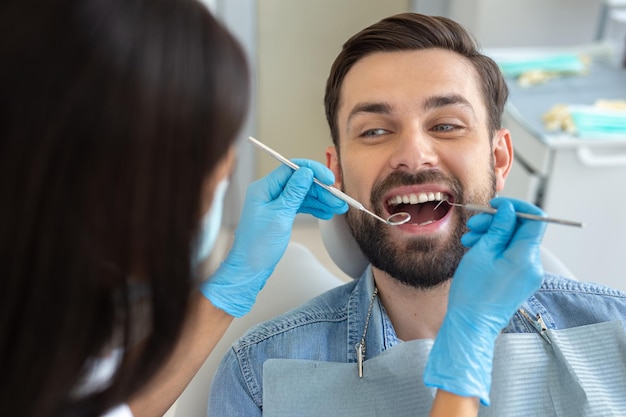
(581, 373)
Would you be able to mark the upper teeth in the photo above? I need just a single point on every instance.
(416, 198)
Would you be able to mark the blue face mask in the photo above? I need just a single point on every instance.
(211, 224)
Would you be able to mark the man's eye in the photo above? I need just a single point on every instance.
(444, 128)
(372, 133)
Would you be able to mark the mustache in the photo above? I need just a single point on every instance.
(401, 178)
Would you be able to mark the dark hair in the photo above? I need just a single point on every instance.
(412, 31)
(112, 114)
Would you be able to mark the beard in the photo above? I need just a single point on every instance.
(423, 262)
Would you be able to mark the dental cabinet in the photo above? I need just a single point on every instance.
(573, 178)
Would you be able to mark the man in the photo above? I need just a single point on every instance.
(414, 112)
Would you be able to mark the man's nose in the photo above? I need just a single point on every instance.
(414, 150)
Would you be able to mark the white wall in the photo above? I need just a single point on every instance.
(500, 23)
(297, 42)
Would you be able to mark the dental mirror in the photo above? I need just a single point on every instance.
(398, 218)
(395, 219)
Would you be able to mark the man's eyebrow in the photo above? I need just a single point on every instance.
(372, 107)
(435, 102)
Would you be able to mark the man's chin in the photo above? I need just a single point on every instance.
(423, 262)
(420, 269)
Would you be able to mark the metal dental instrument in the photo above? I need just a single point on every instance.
(491, 210)
(538, 324)
(395, 219)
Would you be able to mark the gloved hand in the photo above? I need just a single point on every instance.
(264, 230)
(499, 272)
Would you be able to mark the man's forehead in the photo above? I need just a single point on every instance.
(420, 77)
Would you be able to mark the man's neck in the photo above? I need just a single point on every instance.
(414, 313)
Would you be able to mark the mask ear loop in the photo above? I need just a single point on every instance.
(211, 224)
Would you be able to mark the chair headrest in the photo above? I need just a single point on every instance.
(341, 246)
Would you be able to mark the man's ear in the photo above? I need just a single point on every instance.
(502, 156)
(332, 162)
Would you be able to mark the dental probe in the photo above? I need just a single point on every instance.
(491, 210)
(400, 217)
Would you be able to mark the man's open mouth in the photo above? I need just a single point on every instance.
(424, 208)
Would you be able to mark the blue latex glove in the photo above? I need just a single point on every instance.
(494, 278)
(264, 230)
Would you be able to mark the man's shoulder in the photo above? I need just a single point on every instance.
(326, 310)
(313, 331)
(572, 303)
(562, 286)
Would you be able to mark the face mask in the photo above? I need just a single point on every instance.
(211, 223)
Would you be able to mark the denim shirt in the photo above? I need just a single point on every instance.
(328, 327)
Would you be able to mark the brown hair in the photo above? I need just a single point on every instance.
(412, 31)
(112, 114)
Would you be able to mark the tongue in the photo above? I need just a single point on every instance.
(424, 212)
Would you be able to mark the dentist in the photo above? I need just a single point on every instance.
(118, 121)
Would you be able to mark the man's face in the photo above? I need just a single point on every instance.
(413, 127)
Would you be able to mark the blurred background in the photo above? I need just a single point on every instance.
(292, 43)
